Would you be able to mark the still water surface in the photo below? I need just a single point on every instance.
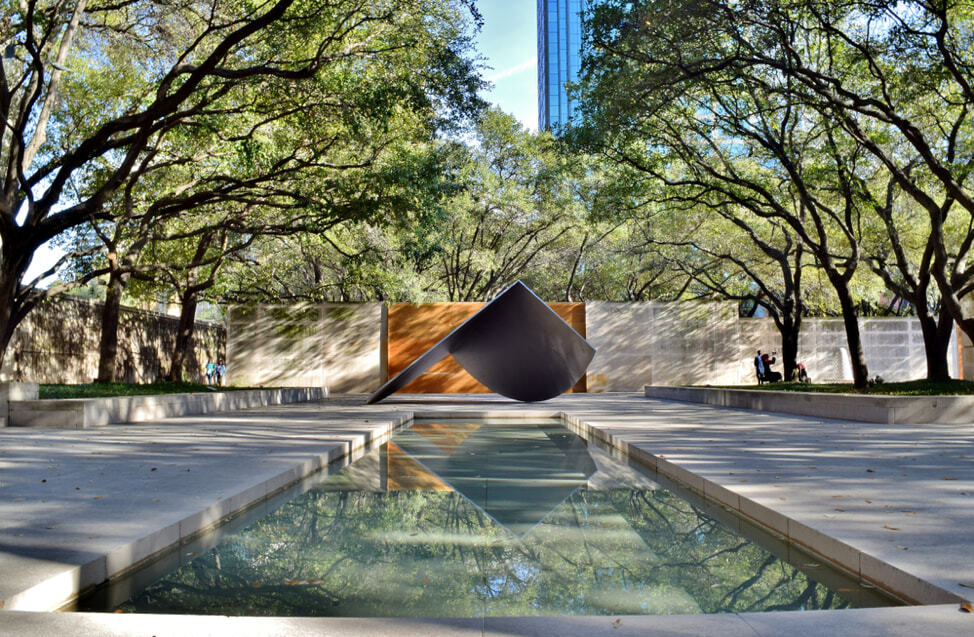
(474, 519)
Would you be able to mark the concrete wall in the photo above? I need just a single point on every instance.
(337, 346)
(965, 352)
(893, 348)
(58, 343)
(889, 410)
(342, 347)
(706, 343)
(13, 392)
(965, 349)
(650, 343)
(83, 413)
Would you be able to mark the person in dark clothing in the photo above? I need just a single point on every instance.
(769, 374)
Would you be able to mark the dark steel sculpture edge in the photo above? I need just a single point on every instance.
(515, 345)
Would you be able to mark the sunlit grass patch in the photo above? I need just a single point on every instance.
(101, 390)
(906, 388)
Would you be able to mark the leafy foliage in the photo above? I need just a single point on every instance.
(206, 126)
(768, 130)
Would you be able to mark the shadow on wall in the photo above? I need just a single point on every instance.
(58, 342)
(661, 344)
(335, 346)
(342, 347)
(893, 348)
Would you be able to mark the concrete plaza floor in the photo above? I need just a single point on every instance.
(73, 503)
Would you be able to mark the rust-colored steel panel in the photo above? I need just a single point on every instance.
(414, 329)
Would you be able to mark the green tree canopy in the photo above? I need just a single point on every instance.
(159, 110)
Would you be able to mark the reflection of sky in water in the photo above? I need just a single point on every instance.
(472, 519)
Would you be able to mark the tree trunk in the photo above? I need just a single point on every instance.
(860, 373)
(937, 339)
(7, 321)
(13, 264)
(790, 329)
(184, 336)
(571, 278)
(108, 346)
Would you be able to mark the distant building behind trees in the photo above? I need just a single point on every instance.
(559, 59)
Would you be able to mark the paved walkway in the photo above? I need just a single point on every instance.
(75, 503)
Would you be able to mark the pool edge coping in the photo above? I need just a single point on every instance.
(903, 585)
(77, 580)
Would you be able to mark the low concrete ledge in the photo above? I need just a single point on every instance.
(82, 413)
(12, 391)
(917, 410)
(54, 592)
(907, 587)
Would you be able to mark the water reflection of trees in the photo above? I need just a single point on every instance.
(421, 553)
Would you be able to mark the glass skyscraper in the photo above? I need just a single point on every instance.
(559, 58)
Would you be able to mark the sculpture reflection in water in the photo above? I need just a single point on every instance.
(474, 519)
(515, 345)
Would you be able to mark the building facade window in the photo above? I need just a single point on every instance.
(559, 59)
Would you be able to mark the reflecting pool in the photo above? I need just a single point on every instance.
(472, 519)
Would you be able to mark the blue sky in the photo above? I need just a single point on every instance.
(509, 44)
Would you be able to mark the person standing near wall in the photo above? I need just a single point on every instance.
(221, 372)
(210, 371)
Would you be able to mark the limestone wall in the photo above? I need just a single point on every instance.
(58, 343)
(340, 347)
(650, 343)
(966, 355)
(893, 348)
(344, 347)
(965, 349)
(706, 343)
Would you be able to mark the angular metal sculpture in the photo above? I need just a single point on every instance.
(515, 345)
